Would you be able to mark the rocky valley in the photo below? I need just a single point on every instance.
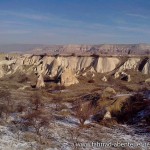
(55, 101)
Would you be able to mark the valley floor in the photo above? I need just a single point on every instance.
(64, 131)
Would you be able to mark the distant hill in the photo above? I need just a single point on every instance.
(18, 47)
(112, 49)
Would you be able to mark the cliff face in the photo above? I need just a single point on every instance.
(54, 66)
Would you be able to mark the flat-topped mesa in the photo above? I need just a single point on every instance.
(54, 66)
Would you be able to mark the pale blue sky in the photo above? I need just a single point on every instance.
(74, 21)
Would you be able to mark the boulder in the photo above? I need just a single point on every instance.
(107, 115)
(5, 67)
(104, 79)
(40, 81)
(84, 74)
(108, 92)
(116, 75)
(68, 77)
(147, 80)
(93, 75)
(125, 77)
(92, 70)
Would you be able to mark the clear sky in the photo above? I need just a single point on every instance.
(74, 21)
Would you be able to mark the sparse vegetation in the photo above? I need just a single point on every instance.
(91, 81)
(36, 121)
(6, 105)
(45, 116)
(35, 101)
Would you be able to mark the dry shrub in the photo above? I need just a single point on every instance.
(99, 115)
(108, 92)
(6, 103)
(148, 120)
(74, 137)
(5, 96)
(91, 81)
(65, 113)
(19, 77)
(94, 97)
(96, 89)
(29, 137)
(108, 122)
(22, 78)
(129, 108)
(116, 105)
(59, 87)
(37, 121)
(20, 108)
(83, 112)
(3, 109)
(35, 101)
(86, 107)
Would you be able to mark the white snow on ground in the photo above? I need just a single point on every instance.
(63, 140)
(9, 141)
(63, 136)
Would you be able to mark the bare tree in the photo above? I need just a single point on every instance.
(6, 106)
(74, 135)
(5, 96)
(35, 101)
(17, 124)
(83, 112)
(37, 121)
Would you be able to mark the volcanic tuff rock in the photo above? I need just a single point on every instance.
(131, 63)
(68, 78)
(106, 64)
(40, 82)
(104, 79)
(146, 68)
(147, 80)
(125, 77)
(54, 66)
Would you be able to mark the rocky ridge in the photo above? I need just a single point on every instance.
(55, 66)
(105, 49)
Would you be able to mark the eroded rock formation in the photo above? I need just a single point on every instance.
(54, 66)
(40, 82)
(68, 78)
